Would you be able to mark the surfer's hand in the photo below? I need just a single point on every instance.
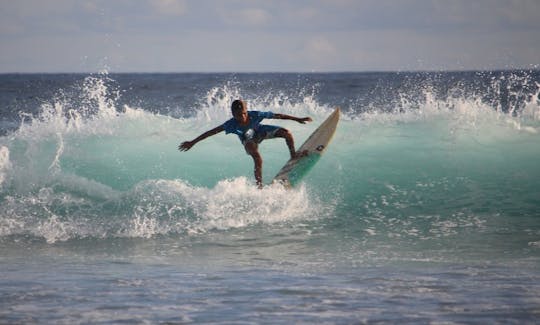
(185, 146)
(303, 120)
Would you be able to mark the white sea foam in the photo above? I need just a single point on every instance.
(164, 206)
(5, 164)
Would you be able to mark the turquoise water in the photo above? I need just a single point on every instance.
(428, 211)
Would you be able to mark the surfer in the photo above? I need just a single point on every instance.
(247, 125)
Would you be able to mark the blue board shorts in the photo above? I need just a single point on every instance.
(263, 132)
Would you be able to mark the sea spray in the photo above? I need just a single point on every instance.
(5, 164)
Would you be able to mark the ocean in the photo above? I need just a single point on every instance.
(425, 207)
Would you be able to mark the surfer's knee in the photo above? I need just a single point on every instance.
(252, 148)
(256, 156)
(284, 133)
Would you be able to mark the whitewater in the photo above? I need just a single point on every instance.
(425, 207)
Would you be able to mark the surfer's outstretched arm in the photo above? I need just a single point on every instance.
(185, 146)
(302, 120)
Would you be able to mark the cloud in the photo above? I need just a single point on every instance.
(245, 16)
(320, 52)
(170, 7)
(254, 16)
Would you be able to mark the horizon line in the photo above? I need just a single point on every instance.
(535, 68)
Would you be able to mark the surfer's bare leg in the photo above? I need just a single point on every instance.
(284, 133)
(253, 150)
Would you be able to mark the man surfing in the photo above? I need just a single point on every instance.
(247, 125)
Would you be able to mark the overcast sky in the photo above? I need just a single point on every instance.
(267, 36)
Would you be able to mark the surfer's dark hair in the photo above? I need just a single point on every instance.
(238, 105)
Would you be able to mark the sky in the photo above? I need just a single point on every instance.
(268, 36)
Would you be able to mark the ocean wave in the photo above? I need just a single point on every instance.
(88, 168)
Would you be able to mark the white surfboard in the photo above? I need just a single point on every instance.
(295, 169)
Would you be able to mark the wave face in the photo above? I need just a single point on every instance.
(418, 159)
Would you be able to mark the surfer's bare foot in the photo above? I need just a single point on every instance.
(300, 154)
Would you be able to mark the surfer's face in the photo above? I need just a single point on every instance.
(240, 115)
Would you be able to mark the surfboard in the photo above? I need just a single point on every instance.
(295, 169)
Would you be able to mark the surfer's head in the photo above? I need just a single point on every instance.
(239, 110)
